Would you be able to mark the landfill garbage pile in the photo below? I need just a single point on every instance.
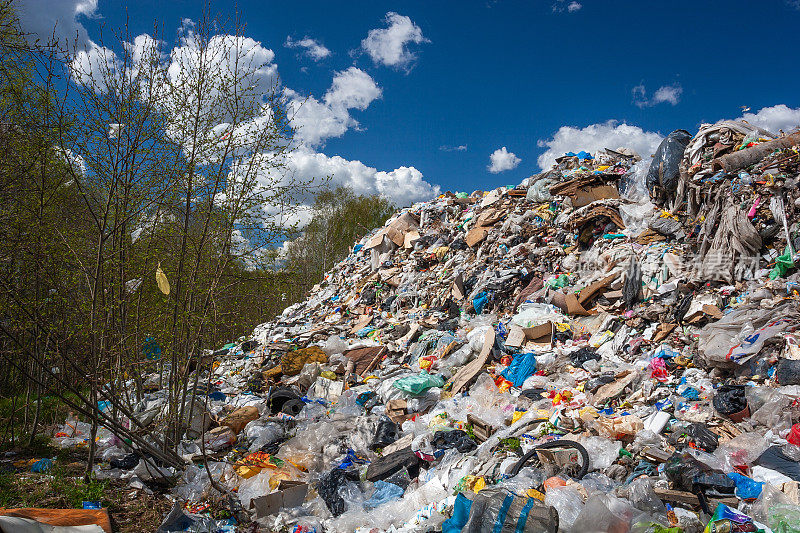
(612, 345)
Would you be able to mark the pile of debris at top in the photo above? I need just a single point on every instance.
(612, 345)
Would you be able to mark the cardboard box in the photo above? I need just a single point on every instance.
(289, 494)
(542, 334)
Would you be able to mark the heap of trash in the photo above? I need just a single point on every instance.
(612, 345)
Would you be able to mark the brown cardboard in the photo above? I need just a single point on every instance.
(482, 430)
(542, 333)
(458, 291)
(362, 358)
(573, 307)
(289, 494)
(515, 337)
(594, 289)
(361, 324)
(476, 235)
(238, 419)
(396, 410)
(586, 195)
(468, 372)
(410, 238)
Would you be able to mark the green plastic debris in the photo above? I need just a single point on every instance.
(418, 384)
(783, 264)
(562, 280)
(783, 518)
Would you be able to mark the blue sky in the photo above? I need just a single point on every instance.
(483, 75)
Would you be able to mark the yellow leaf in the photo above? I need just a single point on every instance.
(161, 279)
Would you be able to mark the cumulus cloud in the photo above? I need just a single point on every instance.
(317, 120)
(403, 185)
(595, 137)
(389, 46)
(561, 6)
(44, 19)
(310, 47)
(670, 94)
(95, 66)
(459, 148)
(502, 160)
(776, 118)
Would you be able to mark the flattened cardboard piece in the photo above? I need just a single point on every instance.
(410, 238)
(489, 217)
(458, 291)
(586, 195)
(361, 324)
(401, 444)
(289, 494)
(396, 236)
(609, 391)
(663, 331)
(396, 410)
(467, 372)
(405, 223)
(476, 235)
(375, 241)
(362, 358)
(515, 337)
(587, 293)
(573, 307)
(559, 456)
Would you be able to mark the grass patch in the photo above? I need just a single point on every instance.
(75, 491)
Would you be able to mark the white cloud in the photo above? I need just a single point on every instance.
(595, 137)
(311, 47)
(388, 46)
(45, 19)
(459, 148)
(317, 121)
(352, 89)
(775, 118)
(95, 66)
(502, 160)
(561, 5)
(670, 94)
(403, 185)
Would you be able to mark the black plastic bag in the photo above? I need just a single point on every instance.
(702, 437)
(126, 462)
(328, 489)
(385, 433)
(662, 176)
(730, 399)
(633, 283)
(595, 383)
(776, 459)
(394, 462)
(444, 440)
(788, 372)
(579, 357)
(682, 308)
